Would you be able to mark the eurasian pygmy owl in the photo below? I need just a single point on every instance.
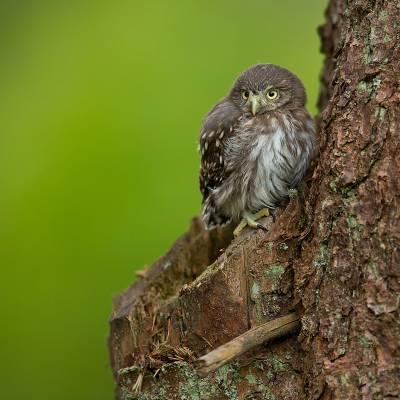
(256, 144)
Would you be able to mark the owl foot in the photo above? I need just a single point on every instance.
(250, 220)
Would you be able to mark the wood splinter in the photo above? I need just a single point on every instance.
(254, 337)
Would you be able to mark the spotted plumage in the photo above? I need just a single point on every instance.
(255, 145)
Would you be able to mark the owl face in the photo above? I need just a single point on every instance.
(265, 88)
(262, 100)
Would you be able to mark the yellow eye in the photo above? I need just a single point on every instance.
(272, 94)
(245, 94)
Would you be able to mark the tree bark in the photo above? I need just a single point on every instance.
(331, 256)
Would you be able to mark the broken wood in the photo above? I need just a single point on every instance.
(256, 336)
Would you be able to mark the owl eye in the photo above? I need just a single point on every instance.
(272, 94)
(245, 94)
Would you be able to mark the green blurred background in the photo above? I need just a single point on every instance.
(100, 108)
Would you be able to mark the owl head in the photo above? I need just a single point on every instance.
(268, 87)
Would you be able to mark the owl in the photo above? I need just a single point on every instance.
(256, 144)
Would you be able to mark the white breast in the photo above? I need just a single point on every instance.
(280, 162)
(262, 166)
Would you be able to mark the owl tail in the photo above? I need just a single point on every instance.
(210, 216)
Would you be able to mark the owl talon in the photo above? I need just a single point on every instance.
(264, 212)
(240, 227)
(261, 226)
(250, 220)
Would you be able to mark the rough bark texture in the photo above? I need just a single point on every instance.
(332, 255)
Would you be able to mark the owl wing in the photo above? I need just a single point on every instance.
(218, 126)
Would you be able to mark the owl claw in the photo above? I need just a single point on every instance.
(261, 226)
(240, 227)
(250, 220)
(264, 212)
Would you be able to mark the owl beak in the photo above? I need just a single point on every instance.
(255, 104)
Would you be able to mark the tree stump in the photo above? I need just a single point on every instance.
(331, 257)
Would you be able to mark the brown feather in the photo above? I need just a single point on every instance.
(250, 162)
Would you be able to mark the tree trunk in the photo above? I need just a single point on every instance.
(331, 256)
